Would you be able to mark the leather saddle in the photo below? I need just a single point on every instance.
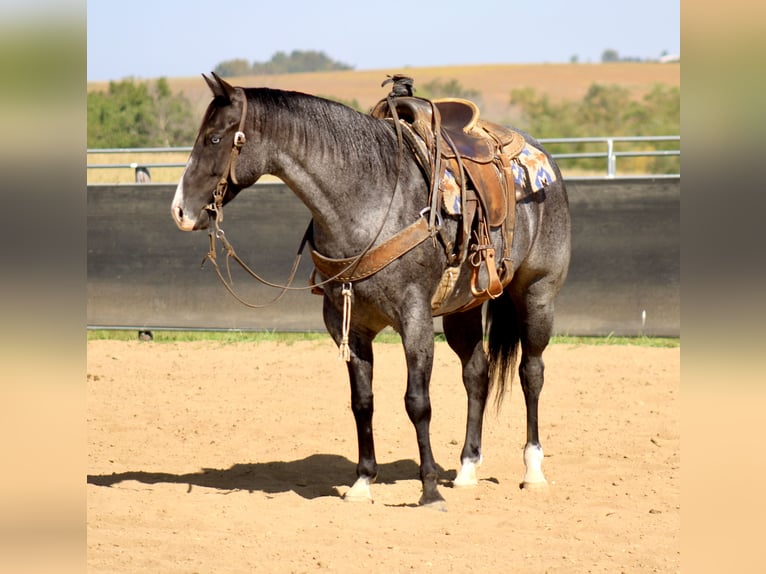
(484, 148)
(452, 143)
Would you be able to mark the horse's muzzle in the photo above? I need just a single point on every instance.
(186, 223)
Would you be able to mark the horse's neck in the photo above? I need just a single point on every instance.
(351, 196)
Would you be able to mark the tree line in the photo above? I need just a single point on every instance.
(606, 110)
(133, 114)
(296, 62)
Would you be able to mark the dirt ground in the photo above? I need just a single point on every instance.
(232, 457)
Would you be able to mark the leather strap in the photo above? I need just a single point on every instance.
(483, 254)
(375, 259)
(231, 167)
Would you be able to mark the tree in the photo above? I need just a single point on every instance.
(608, 109)
(137, 114)
(610, 55)
(174, 122)
(229, 68)
(123, 117)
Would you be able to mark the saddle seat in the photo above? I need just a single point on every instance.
(458, 114)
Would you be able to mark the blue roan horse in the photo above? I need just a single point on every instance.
(363, 187)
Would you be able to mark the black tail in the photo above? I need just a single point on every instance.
(503, 344)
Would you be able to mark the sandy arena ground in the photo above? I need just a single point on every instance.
(216, 457)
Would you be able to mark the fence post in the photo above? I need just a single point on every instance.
(611, 160)
(142, 173)
(142, 176)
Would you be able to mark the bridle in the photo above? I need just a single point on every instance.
(230, 172)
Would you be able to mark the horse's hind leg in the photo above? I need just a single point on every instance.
(536, 315)
(464, 335)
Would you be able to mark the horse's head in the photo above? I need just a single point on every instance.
(213, 176)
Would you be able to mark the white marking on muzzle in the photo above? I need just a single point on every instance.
(180, 216)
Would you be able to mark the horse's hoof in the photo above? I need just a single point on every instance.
(359, 492)
(536, 486)
(466, 477)
(439, 506)
(431, 498)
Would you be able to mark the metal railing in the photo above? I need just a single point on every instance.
(610, 154)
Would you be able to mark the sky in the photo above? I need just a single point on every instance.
(173, 38)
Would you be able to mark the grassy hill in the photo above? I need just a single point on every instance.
(493, 82)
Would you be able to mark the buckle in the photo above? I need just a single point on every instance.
(239, 139)
(439, 220)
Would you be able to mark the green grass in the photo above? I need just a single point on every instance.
(220, 336)
(641, 341)
(385, 337)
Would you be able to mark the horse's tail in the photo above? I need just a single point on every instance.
(503, 327)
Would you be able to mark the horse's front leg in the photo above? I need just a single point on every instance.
(360, 378)
(418, 340)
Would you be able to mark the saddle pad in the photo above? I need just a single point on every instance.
(533, 166)
(450, 193)
(531, 172)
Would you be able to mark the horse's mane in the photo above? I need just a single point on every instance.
(323, 126)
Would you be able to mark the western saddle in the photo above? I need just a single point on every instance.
(467, 162)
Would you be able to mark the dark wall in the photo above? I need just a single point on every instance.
(144, 273)
(626, 258)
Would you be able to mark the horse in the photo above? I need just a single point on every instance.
(362, 187)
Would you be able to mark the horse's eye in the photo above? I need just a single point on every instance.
(215, 139)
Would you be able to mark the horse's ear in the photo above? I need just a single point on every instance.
(220, 87)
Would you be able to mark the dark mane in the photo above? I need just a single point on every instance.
(323, 127)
